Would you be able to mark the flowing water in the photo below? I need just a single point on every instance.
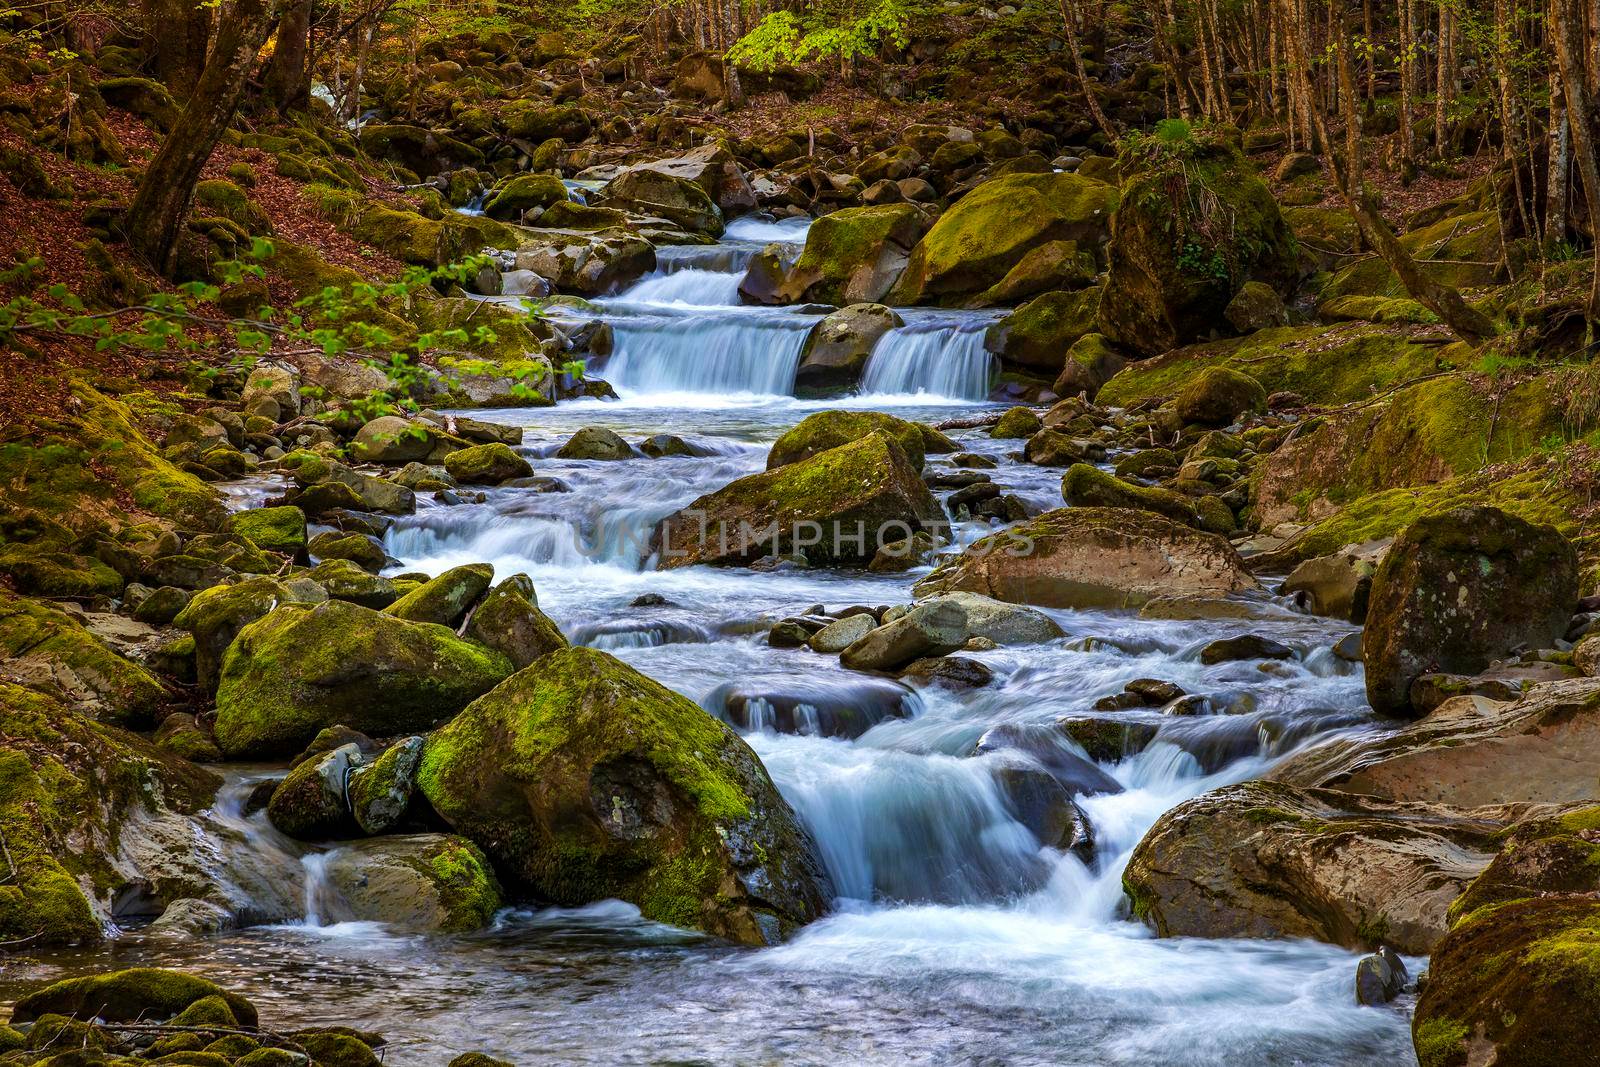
(957, 936)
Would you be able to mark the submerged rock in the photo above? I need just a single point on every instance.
(583, 780)
(818, 707)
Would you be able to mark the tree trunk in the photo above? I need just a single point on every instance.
(176, 34)
(1465, 322)
(160, 206)
(1557, 184)
(1069, 20)
(287, 81)
(352, 106)
(1566, 23)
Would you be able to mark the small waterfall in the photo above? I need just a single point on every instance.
(745, 351)
(677, 282)
(897, 826)
(753, 229)
(936, 355)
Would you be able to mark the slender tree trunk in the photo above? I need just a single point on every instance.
(359, 74)
(287, 81)
(1567, 24)
(1464, 321)
(1444, 82)
(1069, 20)
(1178, 77)
(1408, 85)
(1557, 184)
(160, 206)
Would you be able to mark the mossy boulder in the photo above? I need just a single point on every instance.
(68, 786)
(1516, 983)
(424, 151)
(1017, 424)
(1093, 558)
(656, 194)
(596, 443)
(1039, 334)
(279, 529)
(488, 464)
(587, 264)
(311, 802)
(224, 199)
(1323, 364)
(139, 994)
(364, 550)
(584, 780)
(379, 793)
(53, 652)
(419, 240)
(216, 615)
(1458, 590)
(301, 669)
(853, 256)
(837, 348)
(1068, 266)
(538, 124)
(343, 579)
(1087, 486)
(509, 621)
(1218, 396)
(425, 883)
(1091, 362)
(830, 429)
(446, 599)
(989, 231)
(58, 574)
(525, 192)
(1194, 224)
(835, 508)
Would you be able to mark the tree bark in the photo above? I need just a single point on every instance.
(287, 81)
(160, 206)
(1069, 20)
(1567, 25)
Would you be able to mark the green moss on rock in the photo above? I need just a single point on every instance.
(583, 779)
(830, 429)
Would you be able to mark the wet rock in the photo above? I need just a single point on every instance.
(1380, 977)
(1040, 334)
(182, 735)
(1047, 748)
(904, 554)
(830, 429)
(363, 550)
(1336, 585)
(816, 707)
(216, 615)
(588, 264)
(1087, 486)
(838, 636)
(1154, 691)
(311, 803)
(595, 443)
(137, 994)
(1108, 740)
(853, 256)
(509, 621)
(661, 445)
(836, 508)
(1264, 860)
(444, 600)
(1093, 557)
(429, 883)
(392, 441)
(299, 669)
(162, 605)
(1471, 752)
(933, 629)
(837, 348)
(330, 738)
(1458, 590)
(951, 672)
(379, 791)
(341, 579)
(652, 801)
(1046, 808)
(1003, 623)
(660, 194)
(1016, 424)
(1244, 646)
(280, 529)
(1049, 448)
(488, 464)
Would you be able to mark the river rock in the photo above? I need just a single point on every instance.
(364, 550)
(853, 256)
(931, 629)
(1458, 590)
(488, 464)
(1003, 623)
(990, 231)
(837, 348)
(1337, 585)
(583, 780)
(1218, 396)
(835, 508)
(393, 441)
(446, 599)
(425, 883)
(280, 529)
(589, 264)
(311, 803)
(300, 669)
(596, 442)
(830, 429)
(1040, 334)
(844, 706)
(1472, 752)
(950, 672)
(838, 636)
(379, 791)
(1244, 647)
(1380, 977)
(216, 615)
(1093, 557)
(509, 621)
(1261, 859)
(657, 193)
(712, 167)
(136, 994)
(341, 579)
